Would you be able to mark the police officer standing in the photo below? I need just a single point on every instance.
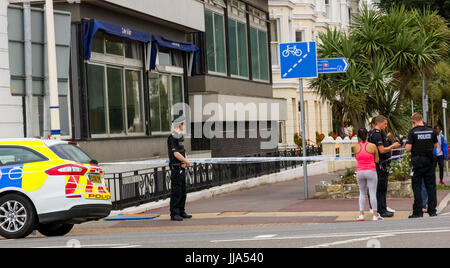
(421, 142)
(378, 137)
(178, 165)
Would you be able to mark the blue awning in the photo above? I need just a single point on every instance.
(182, 46)
(90, 28)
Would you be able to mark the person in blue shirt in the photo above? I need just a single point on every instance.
(441, 153)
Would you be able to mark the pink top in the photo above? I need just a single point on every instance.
(365, 160)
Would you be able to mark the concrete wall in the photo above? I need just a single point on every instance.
(85, 11)
(184, 12)
(11, 111)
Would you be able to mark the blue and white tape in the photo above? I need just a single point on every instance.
(237, 160)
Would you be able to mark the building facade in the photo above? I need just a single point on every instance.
(137, 65)
(302, 21)
(233, 84)
(11, 107)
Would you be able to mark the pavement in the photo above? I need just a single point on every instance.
(278, 204)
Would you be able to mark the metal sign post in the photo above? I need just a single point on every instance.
(302, 115)
(299, 60)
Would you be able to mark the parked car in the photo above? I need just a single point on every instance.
(49, 186)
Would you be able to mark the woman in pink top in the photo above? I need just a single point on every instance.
(366, 172)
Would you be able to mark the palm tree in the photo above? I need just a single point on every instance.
(385, 52)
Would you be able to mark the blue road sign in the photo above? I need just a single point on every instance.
(336, 65)
(298, 60)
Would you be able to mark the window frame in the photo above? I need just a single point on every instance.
(275, 41)
(215, 10)
(123, 69)
(253, 12)
(237, 20)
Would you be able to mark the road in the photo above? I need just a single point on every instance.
(425, 232)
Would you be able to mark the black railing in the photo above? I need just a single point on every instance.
(147, 185)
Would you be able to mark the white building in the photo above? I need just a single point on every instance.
(300, 21)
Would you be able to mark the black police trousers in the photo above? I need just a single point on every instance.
(177, 191)
(428, 176)
(383, 173)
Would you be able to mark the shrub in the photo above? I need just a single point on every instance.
(401, 169)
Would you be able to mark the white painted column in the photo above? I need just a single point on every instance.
(52, 72)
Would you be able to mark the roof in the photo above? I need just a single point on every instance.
(32, 141)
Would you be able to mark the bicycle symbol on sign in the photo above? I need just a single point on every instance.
(292, 50)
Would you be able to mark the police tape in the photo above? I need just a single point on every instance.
(239, 160)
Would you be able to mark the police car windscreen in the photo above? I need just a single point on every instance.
(71, 152)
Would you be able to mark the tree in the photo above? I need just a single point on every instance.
(441, 6)
(386, 52)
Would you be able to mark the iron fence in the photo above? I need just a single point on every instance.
(138, 187)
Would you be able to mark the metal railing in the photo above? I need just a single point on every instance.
(138, 187)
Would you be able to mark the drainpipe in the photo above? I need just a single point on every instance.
(29, 107)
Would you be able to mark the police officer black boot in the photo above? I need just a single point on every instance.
(176, 218)
(184, 215)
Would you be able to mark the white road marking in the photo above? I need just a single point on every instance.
(349, 241)
(333, 235)
(264, 236)
(95, 246)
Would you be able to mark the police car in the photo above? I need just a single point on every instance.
(49, 186)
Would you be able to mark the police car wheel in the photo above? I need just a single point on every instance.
(17, 216)
(55, 229)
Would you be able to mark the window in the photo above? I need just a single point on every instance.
(215, 41)
(237, 32)
(327, 8)
(260, 61)
(259, 45)
(166, 90)
(115, 100)
(115, 90)
(274, 43)
(96, 95)
(116, 46)
(164, 56)
(170, 57)
(17, 155)
(71, 152)
(281, 132)
(135, 117)
(298, 36)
